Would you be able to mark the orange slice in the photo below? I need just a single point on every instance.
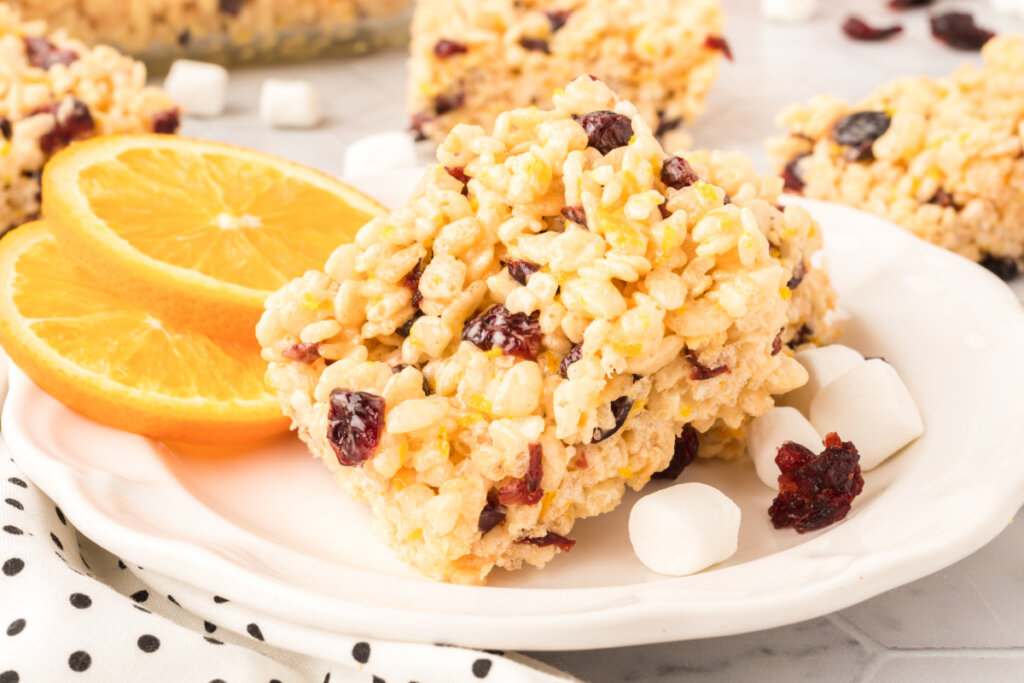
(112, 360)
(200, 231)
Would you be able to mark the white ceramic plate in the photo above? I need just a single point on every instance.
(266, 528)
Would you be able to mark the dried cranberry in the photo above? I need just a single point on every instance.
(942, 198)
(448, 48)
(859, 130)
(551, 538)
(5, 128)
(525, 491)
(575, 353)
(232, 7)
(576, 214)
(517, 334)
(683, 456)
(43, 54)
(958, 30)
(491, 516)
(677, 173)
(447, 103)
(792, 176)
(663, 209)
(458, 172)
(167, 121)
(355, 423)
(1004, 268)
(667, 124)
(557, 18)
(535, 45)
(520, 270)
(777, 342)
(606, 130)
(803, 335)
(185, 37)
(799, 271)
(816, 490)
(856, 28)
(405, 328)
(908, 4)
(411, 281)
(719, 43)
(620, 411)
(72, 119)
(302, 352)
(701, 371)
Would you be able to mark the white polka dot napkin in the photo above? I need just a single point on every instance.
(70, 611)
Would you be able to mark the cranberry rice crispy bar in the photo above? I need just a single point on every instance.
(941, 157)
(473, 59)
(54, 90)
(559, 312)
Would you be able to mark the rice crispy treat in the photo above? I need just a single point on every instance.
(941, 157)
(559, 312)
(55, 90)
(473, 59)
(147, 26)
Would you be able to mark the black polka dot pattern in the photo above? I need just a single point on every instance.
(16, 627)
(212, 641)
(481, 668)
(9, 677)
(148, 643)
(254, 631)
(219, 600)
(173, 601)
(361, 652)
(121, 564)
(18, 482)
(56, 541)
(210, 628)
(80, 600)
(378, 679)
(13, 566)
(79, 661)
(140, 596)
(13, 530)
(60, 515)
(16, 504)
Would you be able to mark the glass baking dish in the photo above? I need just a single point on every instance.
(228, 31)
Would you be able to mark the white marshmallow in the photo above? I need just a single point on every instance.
(769, 431)
(824, 365)
(378, 153)
(289, 104)
(871, 407)
(199, 88)
(788, 11)
(683, 529)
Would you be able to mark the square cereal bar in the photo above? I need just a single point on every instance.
(472, 60)
(559, 312)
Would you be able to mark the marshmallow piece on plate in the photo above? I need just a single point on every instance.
(788, 11)
(289, 104)
(871, 407)
(199, 88)
(824, 365)
(380, 152)
(684, 528)
(769, 431)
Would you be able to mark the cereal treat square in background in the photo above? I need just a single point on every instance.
(941, 157)
(473, 59)
(560, 311)
(56, 90)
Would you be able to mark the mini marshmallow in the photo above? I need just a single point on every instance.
(769, 431)
(199, 88)
(824, 365)
(684, 529)
(871, 407)
(289, 104)
(379, 153)
(788, 11)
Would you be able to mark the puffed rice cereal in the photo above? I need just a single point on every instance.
(56, 90)
(941, 157)
(560, 311)
(473, 59)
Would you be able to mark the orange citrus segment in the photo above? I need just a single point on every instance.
(200, 231)
(112, 360)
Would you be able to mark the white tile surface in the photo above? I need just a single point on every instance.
(917, 632)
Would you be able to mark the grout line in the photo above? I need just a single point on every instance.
(866, 641)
